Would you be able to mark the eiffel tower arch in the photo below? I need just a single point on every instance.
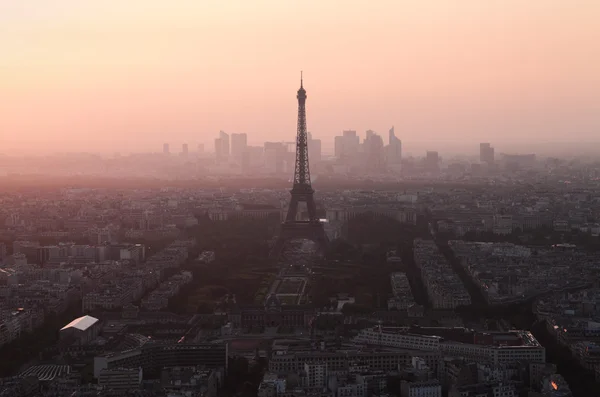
(302, 192)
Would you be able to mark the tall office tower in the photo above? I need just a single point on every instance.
(184, 149)
(432, 161)
(347, 145)
(374, 152)
(351, 143)
(274, 157)
(225, 142)
(350, 134)
(200, 148)
(218, 150)
(239, 145)
(338, 146)
(394, 148)
(166, 149)
(314, 148)
(256, 156)
(222, 147)
(486, 153)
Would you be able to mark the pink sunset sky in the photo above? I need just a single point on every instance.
(128, 75)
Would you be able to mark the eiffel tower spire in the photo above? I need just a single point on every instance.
(302, 190)
(302, 169)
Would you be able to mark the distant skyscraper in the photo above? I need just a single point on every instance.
(338, 144)
(166, 149)
(432, 161)
(486, 153)
(184, 149)
(275, 156)
(347, 145)
(219, 157)
(222, 147)
(200, 148)
(350, 134)
(225, 142)
(394, 148)
(239, 146)
(374, 152)
(314, 148)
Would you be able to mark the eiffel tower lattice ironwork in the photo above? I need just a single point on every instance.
(302, 191)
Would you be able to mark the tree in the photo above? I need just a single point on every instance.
(341, 250)
(352, 309)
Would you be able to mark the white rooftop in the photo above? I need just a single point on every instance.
(81, 323)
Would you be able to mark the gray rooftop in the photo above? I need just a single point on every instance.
(81, 323)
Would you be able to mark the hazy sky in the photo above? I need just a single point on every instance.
(128, 75)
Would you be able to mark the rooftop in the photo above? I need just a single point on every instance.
(510, 339)
(81, 323)
(46, 372)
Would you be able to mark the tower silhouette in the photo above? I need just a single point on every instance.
(302, 191)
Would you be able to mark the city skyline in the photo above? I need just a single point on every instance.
(185, 212)
(116, 77)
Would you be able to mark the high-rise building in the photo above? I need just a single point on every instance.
(394, 148)
(374, 152)
(432, 161)
(239, 146)
(166, 149)
(347, 145)
(184, 149)
(275, 156)
(486, 153)
(314, 148)
(222, 147)
(200, 148)
(225, 141)
(219, 157)
(338, 146)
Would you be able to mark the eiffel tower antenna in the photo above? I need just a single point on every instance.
(302, 190)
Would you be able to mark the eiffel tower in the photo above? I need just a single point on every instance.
(302, 191)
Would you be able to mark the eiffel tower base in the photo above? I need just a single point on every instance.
(313, 231)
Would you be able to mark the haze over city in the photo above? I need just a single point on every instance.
(114, 76)
(258, 198)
